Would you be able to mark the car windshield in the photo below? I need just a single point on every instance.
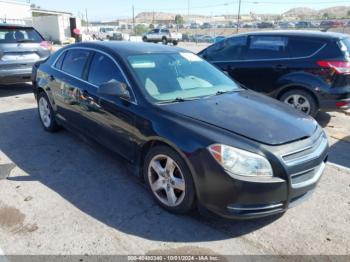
(179, 77)
(19, 35)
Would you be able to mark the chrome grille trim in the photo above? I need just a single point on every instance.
(261, 208)
(319, 146)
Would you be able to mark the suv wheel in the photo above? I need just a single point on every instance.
(164, 41)
(169, 180)
(46, 113)
(175, 42)
(301, 100)
(144, 39)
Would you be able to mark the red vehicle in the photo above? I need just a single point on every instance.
(331, 24)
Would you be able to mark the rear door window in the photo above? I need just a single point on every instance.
(10, 35)
(345, 46)
(301, 47)
(103, 69)
(75, 61)
(59, 62)
(226, 50)
(267, 47)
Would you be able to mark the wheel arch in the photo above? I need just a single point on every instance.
(158, 141)
(301, 87)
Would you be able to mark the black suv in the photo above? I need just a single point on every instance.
(308, 70)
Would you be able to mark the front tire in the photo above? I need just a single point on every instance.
(144, 39)
(164, 41)
(46, 113)
(301, 100)
(169, 179)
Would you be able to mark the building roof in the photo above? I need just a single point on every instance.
(50, 12)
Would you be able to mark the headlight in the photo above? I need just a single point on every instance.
(240, 162)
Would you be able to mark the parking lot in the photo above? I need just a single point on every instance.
(61, 195)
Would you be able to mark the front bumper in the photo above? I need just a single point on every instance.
(241, 197)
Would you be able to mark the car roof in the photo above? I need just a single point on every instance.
(302, 33)
(124, 48)
(13, 25)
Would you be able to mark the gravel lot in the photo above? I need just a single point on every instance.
(60, 195)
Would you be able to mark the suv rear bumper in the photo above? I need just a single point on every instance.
(16, 75)
(335, 104)
(335, 99)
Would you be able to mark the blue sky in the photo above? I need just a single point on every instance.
(113, 9)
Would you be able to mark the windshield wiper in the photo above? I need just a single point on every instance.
(26, 41)
(221, 92)
(177, 100)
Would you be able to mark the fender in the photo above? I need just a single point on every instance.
(43, 84)
(307, 81)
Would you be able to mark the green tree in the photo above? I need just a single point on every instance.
(151, 26)
(140, 29)
(179, 20)
(348, 13)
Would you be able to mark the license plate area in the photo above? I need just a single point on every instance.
(17, 57)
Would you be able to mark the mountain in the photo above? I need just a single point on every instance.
(301, 11)
(337, 11)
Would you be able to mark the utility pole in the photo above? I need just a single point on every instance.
(87, 19)
(133, 19)
(188, 9)
(239, 15)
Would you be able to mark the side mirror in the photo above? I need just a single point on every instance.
(115, 88)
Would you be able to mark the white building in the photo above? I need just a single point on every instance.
(53, 25)
(15, 12)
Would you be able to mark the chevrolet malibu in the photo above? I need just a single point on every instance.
(194, 135)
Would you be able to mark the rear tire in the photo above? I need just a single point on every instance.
(175, 42)
(46, 113)
(301, 100)
(169, 180)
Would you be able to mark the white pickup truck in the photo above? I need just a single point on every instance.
(162, 35)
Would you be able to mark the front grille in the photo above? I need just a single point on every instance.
(308, 153)
(308, 177)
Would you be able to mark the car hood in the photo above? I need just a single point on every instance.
(251, 115)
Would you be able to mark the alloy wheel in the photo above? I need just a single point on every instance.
(45, 112)
(166, 180)
(299, 102)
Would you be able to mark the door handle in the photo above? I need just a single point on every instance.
(87, 96)
(280, 67)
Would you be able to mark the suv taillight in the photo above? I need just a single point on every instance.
(46, 45)
(340, 67)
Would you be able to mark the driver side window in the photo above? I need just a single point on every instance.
(103, 69)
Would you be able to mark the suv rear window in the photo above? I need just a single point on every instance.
(10, 35)
(301, 47)
(345, 46)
